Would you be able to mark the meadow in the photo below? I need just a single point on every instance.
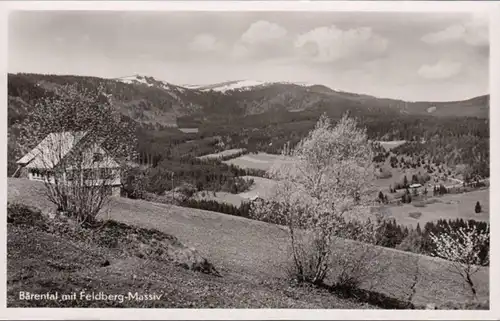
(388, 145)
(448, 206)
(260, 160)
(225, 153)
(189, 130)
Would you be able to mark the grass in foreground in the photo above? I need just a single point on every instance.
(253, 251)
(51, 256)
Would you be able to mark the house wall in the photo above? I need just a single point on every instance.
(115, 191)
(23, 173)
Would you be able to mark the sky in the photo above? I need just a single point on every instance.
(405, 55)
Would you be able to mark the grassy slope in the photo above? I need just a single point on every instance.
(39, 262)
(252, 249)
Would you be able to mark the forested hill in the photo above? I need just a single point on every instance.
(263, 117)
(150, 101)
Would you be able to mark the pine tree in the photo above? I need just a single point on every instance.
(418, 229)
(478, 208)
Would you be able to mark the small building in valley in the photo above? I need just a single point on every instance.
(73, 156)
(416, 188)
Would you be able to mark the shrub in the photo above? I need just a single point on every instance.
(433, 201)
(356, 265)
(419, 204)
(413, 242)
(384, 173)
(415, 215)
(20, 214)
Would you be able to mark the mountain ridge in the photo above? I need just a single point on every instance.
(151, 101)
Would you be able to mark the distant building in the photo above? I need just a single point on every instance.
(416, 188)
(57, 149)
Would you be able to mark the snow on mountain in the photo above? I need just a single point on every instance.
(135, 79)
(152, 82)
(302, 84)
(244, 85)
(231, 85)
(239, 85)
(190, 86)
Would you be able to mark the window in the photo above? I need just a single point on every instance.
(37, 174)
(88, 174)
(105, 173)
(98, 157)
(108, 190)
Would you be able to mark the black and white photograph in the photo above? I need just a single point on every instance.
(248, 159)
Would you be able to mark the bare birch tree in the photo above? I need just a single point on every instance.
(323, 190)
(73, 142)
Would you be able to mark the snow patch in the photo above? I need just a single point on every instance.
(245, 85)
(151, 82)
(431, 109)
(134, 80)
(233, 85)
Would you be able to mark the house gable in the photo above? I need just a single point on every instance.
(57, 147)
(52, 150)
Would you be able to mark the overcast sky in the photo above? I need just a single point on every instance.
(413, 56)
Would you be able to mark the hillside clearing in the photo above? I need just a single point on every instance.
(228, 152)
(259, 250)
(188, 130)
(260, 160)
(388, 145)
(449, 206)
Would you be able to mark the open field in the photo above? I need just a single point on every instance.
(260, 160)
(450, 206)
(255, 250)
(397, 177)
(189, 130)
(224, 153)
(260, 188)
(388, 145)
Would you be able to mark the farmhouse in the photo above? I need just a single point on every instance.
(416, 188)
(73, 157)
